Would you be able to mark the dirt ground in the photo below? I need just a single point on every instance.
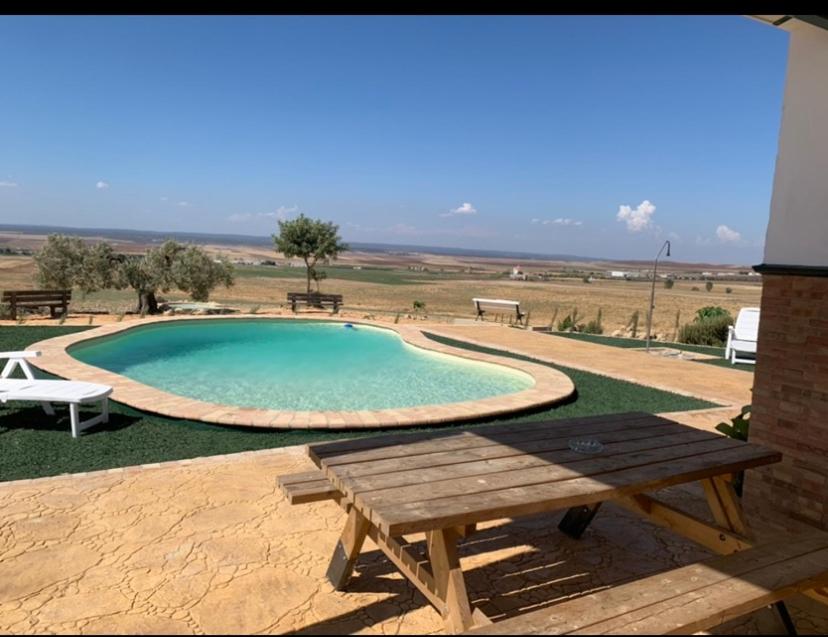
(446, 298)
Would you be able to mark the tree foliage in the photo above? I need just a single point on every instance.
(312, 240)
(65, 262)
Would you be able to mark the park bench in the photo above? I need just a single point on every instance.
(689, 599)
(314, 299)
(501, 307)
(52, 299)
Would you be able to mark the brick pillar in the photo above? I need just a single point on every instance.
(790, 404)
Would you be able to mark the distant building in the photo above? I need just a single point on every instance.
(517, 274)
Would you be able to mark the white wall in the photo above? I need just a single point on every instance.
(798, 228)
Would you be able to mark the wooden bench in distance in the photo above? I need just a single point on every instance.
(688, 599)
(52, 299)
(314, 299)
(500, 306)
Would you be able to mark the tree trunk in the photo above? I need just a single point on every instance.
(308, 275)
(147, 303)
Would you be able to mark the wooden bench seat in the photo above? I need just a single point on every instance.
(53, 299)
(314, 299)
(309, 486)
(688, 599)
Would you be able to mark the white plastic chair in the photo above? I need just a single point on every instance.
(742, 337)
(73, 392)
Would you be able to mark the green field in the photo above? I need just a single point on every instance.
(34, 444)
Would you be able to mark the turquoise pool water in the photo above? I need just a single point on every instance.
(295, 365)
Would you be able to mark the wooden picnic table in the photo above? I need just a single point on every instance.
(443, 483)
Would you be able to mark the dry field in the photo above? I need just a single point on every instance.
(384, 293)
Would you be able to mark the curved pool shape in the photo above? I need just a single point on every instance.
(295, 365)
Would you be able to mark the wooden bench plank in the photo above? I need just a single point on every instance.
(309, 486)
(398, 469)
(504, 458)
(582, 466)
(686, 599)
(321, 450)
(514, 435)
(411, 517)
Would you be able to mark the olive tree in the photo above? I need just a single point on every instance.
(65, 262)
(172, 265)
(310, 239)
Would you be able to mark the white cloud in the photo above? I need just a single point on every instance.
(463, 209)
(727, 235)
(638, 219)
(8, 184)
(102, 185)
(281, 213)
(184, 204)
(164, 198)
(560, 221)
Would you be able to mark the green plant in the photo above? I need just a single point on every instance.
(738, 429)
(694, 289)
(728, 290)
(419, 306)
(669, 283)
(587, 279)
(708, 285)
(594, 327)
(711, 311)
(570, 322)
(710, 331)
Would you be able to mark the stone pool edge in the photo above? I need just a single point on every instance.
(551, 386)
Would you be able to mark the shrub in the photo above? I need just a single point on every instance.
(669, 283)
(570, 322)
(711, 311)
(419, 306)
(587, 279)
(254, 309)
(728, 290)
(694, 289)
(594, 327)
(709, 331)
(708, 285)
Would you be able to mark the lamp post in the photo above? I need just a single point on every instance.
(652, 291)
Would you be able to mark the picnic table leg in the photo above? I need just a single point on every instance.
(347, 549)
(577, 519)
(448, 579)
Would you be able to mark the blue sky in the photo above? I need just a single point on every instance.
(499, 132)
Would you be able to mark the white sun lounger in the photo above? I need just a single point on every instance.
(742, 336)
(46, 392)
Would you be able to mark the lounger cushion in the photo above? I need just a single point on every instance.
(62, 391)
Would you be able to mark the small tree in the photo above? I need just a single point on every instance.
(310, 239)
(708, 285)
(65, 262)
(171, 265)
(669, 283)
(195, 272)
(59, 261)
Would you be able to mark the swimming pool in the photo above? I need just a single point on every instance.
(300, 365)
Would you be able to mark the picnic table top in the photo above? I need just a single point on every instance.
(408, 483)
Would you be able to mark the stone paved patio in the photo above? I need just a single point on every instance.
(210, 546)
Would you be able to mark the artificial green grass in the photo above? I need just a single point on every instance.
(630, 343)
(33, 444)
